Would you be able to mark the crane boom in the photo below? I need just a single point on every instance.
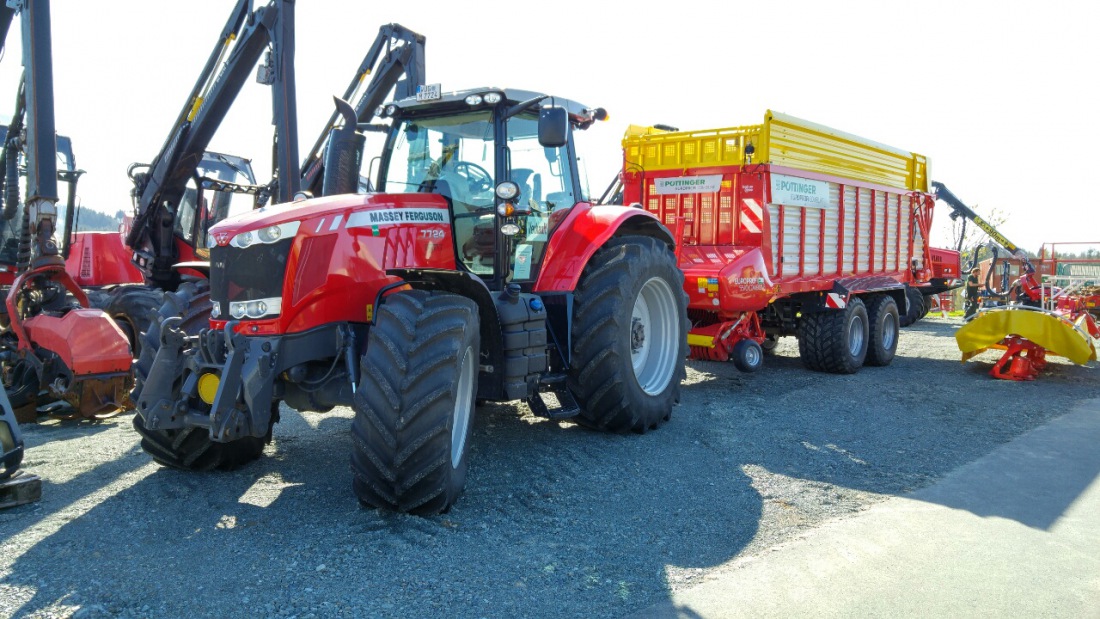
(962, 210)
(157, 192)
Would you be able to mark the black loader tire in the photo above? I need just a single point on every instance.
(882, 316)
(748, 356)
(629, 307)
(133, 309)
(916, 309)
(826, 339)
(415, 403)
(190, 448)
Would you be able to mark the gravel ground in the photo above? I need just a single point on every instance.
(555, 520)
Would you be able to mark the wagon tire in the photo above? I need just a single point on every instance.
(629, 336)
(882, 317)
(916, 308)
(834, 340)
(927, 306)
(415, 404)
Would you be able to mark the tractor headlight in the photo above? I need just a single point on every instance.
(391, 110)
(257, 308)
(509, 229)
(507, 190)
(266, 236)
(473, 100)
(216, 310)
(210, 240)
(270, 234)
(380, 110)
(493, 98)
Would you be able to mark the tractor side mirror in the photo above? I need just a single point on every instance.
(553, 127)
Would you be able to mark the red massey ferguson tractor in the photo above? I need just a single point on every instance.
(479, 271)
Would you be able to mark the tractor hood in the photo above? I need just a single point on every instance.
(332, 212)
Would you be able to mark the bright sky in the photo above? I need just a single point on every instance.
(1001, 96)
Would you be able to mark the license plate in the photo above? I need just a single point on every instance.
(427, 92)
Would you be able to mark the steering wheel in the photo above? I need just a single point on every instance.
(478, 180)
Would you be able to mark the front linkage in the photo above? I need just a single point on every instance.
(229, 381)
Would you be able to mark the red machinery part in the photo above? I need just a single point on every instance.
(358, 232)
(1022, 360)
(716, 342)
(584, 230)
(99, 259)
(87, 340)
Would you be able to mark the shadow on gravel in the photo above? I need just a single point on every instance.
(555, 521)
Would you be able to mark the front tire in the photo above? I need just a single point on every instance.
(834, 341)
(882, 316)
(189, 448)
(629, 336)
(415, 403)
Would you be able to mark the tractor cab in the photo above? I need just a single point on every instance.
(221, 189)
(504, 161)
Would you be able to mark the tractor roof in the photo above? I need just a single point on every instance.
(578, 112)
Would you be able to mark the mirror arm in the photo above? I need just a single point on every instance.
(519, 107)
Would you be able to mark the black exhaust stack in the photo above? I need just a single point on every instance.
(343, 154)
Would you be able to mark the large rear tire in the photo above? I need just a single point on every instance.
(834, 341)
(190, 448)
(629, 336)
(415, 403)
(882, 316)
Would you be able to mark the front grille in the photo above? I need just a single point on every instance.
(248, 274)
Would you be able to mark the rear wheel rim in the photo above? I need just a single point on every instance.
(752, 356)
(855, 335)
(464, 402)
(889, 331)
(652, 336)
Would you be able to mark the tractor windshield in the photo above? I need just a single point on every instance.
(449, 155)
(453, 156)
(194, 219)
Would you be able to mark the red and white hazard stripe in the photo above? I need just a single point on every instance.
(836, 301)
(752, 216)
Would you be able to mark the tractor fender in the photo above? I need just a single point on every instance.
(586, 229)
